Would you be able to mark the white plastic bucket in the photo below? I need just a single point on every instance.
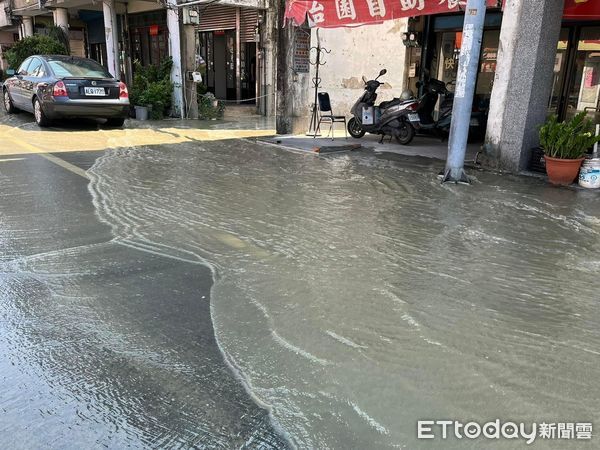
(589, 175)
(141, 113)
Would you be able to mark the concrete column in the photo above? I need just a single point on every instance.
(268, 61)
(523, 81)
(189, 46)
(284, 120)
(112, 37)
(238, 56)
(175, 52)
(61, 19)
(27, 26)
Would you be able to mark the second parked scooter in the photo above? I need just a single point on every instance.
(422, 119)
(387, 119)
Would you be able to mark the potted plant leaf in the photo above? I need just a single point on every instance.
(565, 145)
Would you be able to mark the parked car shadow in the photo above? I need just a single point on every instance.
(79, 125)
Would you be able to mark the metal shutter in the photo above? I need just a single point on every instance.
(217, 17)
(249, 18)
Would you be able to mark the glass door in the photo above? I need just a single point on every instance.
(560, 71)
(584, 90)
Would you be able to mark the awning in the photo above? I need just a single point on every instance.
(348, 13)
(582, 9)
(344, 13)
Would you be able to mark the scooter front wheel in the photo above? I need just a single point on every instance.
(355, 129)
(405, 133)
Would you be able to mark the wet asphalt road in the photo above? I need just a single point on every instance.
(353, 292)
(102, 345)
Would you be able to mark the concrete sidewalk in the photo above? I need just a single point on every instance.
(424, 146)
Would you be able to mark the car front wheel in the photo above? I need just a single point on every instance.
(40, 116)
(8, 103)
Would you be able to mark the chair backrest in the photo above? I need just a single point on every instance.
(324, 103)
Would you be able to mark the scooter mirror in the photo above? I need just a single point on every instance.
(382, 73)
(364, 79)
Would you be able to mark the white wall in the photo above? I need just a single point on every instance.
(361, 51)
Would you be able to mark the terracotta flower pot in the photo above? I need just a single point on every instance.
(562, 171)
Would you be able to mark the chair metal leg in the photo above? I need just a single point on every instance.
(318, 129)
(331, 130)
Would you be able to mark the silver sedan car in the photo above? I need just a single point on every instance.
(56, 87)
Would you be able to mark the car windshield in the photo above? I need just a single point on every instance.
(78, 68)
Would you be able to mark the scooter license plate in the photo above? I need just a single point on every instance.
(413, 117)
(474, 122)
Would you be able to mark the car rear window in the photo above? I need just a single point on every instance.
(78, 68)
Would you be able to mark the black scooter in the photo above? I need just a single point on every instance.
(422, 119)
(387, 119)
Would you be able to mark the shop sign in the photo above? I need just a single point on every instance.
(582, 9)
(341, 13)
(302, 51)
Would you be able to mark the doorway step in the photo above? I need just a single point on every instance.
(233, 111)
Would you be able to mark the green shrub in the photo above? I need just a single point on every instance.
(33, 45)
(569, 139)
(207, 108)
(152, 88)
(58, 34)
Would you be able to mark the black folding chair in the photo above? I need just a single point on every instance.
(326, 115)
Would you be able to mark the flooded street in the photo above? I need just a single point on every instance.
(351, 295)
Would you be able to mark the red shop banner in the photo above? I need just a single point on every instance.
(582, 9)
(341, 13)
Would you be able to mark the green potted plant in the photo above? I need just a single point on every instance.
(151, 90)
(565, 145)
(209, 108)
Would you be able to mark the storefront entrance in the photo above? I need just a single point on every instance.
(149, 37)
(228, 46)
(218, 50)
(576, 85)
(442, 50)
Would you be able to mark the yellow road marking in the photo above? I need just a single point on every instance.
(97, 140)
(56, 141)
(60, 162)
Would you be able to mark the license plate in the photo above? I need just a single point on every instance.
(413, 117)
(95, 91)
(474, 122)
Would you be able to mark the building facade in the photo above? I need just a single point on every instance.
(538, 57)
(227, 41)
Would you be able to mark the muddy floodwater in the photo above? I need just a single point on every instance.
(353, 295)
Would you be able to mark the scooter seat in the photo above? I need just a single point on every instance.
(390, 103)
